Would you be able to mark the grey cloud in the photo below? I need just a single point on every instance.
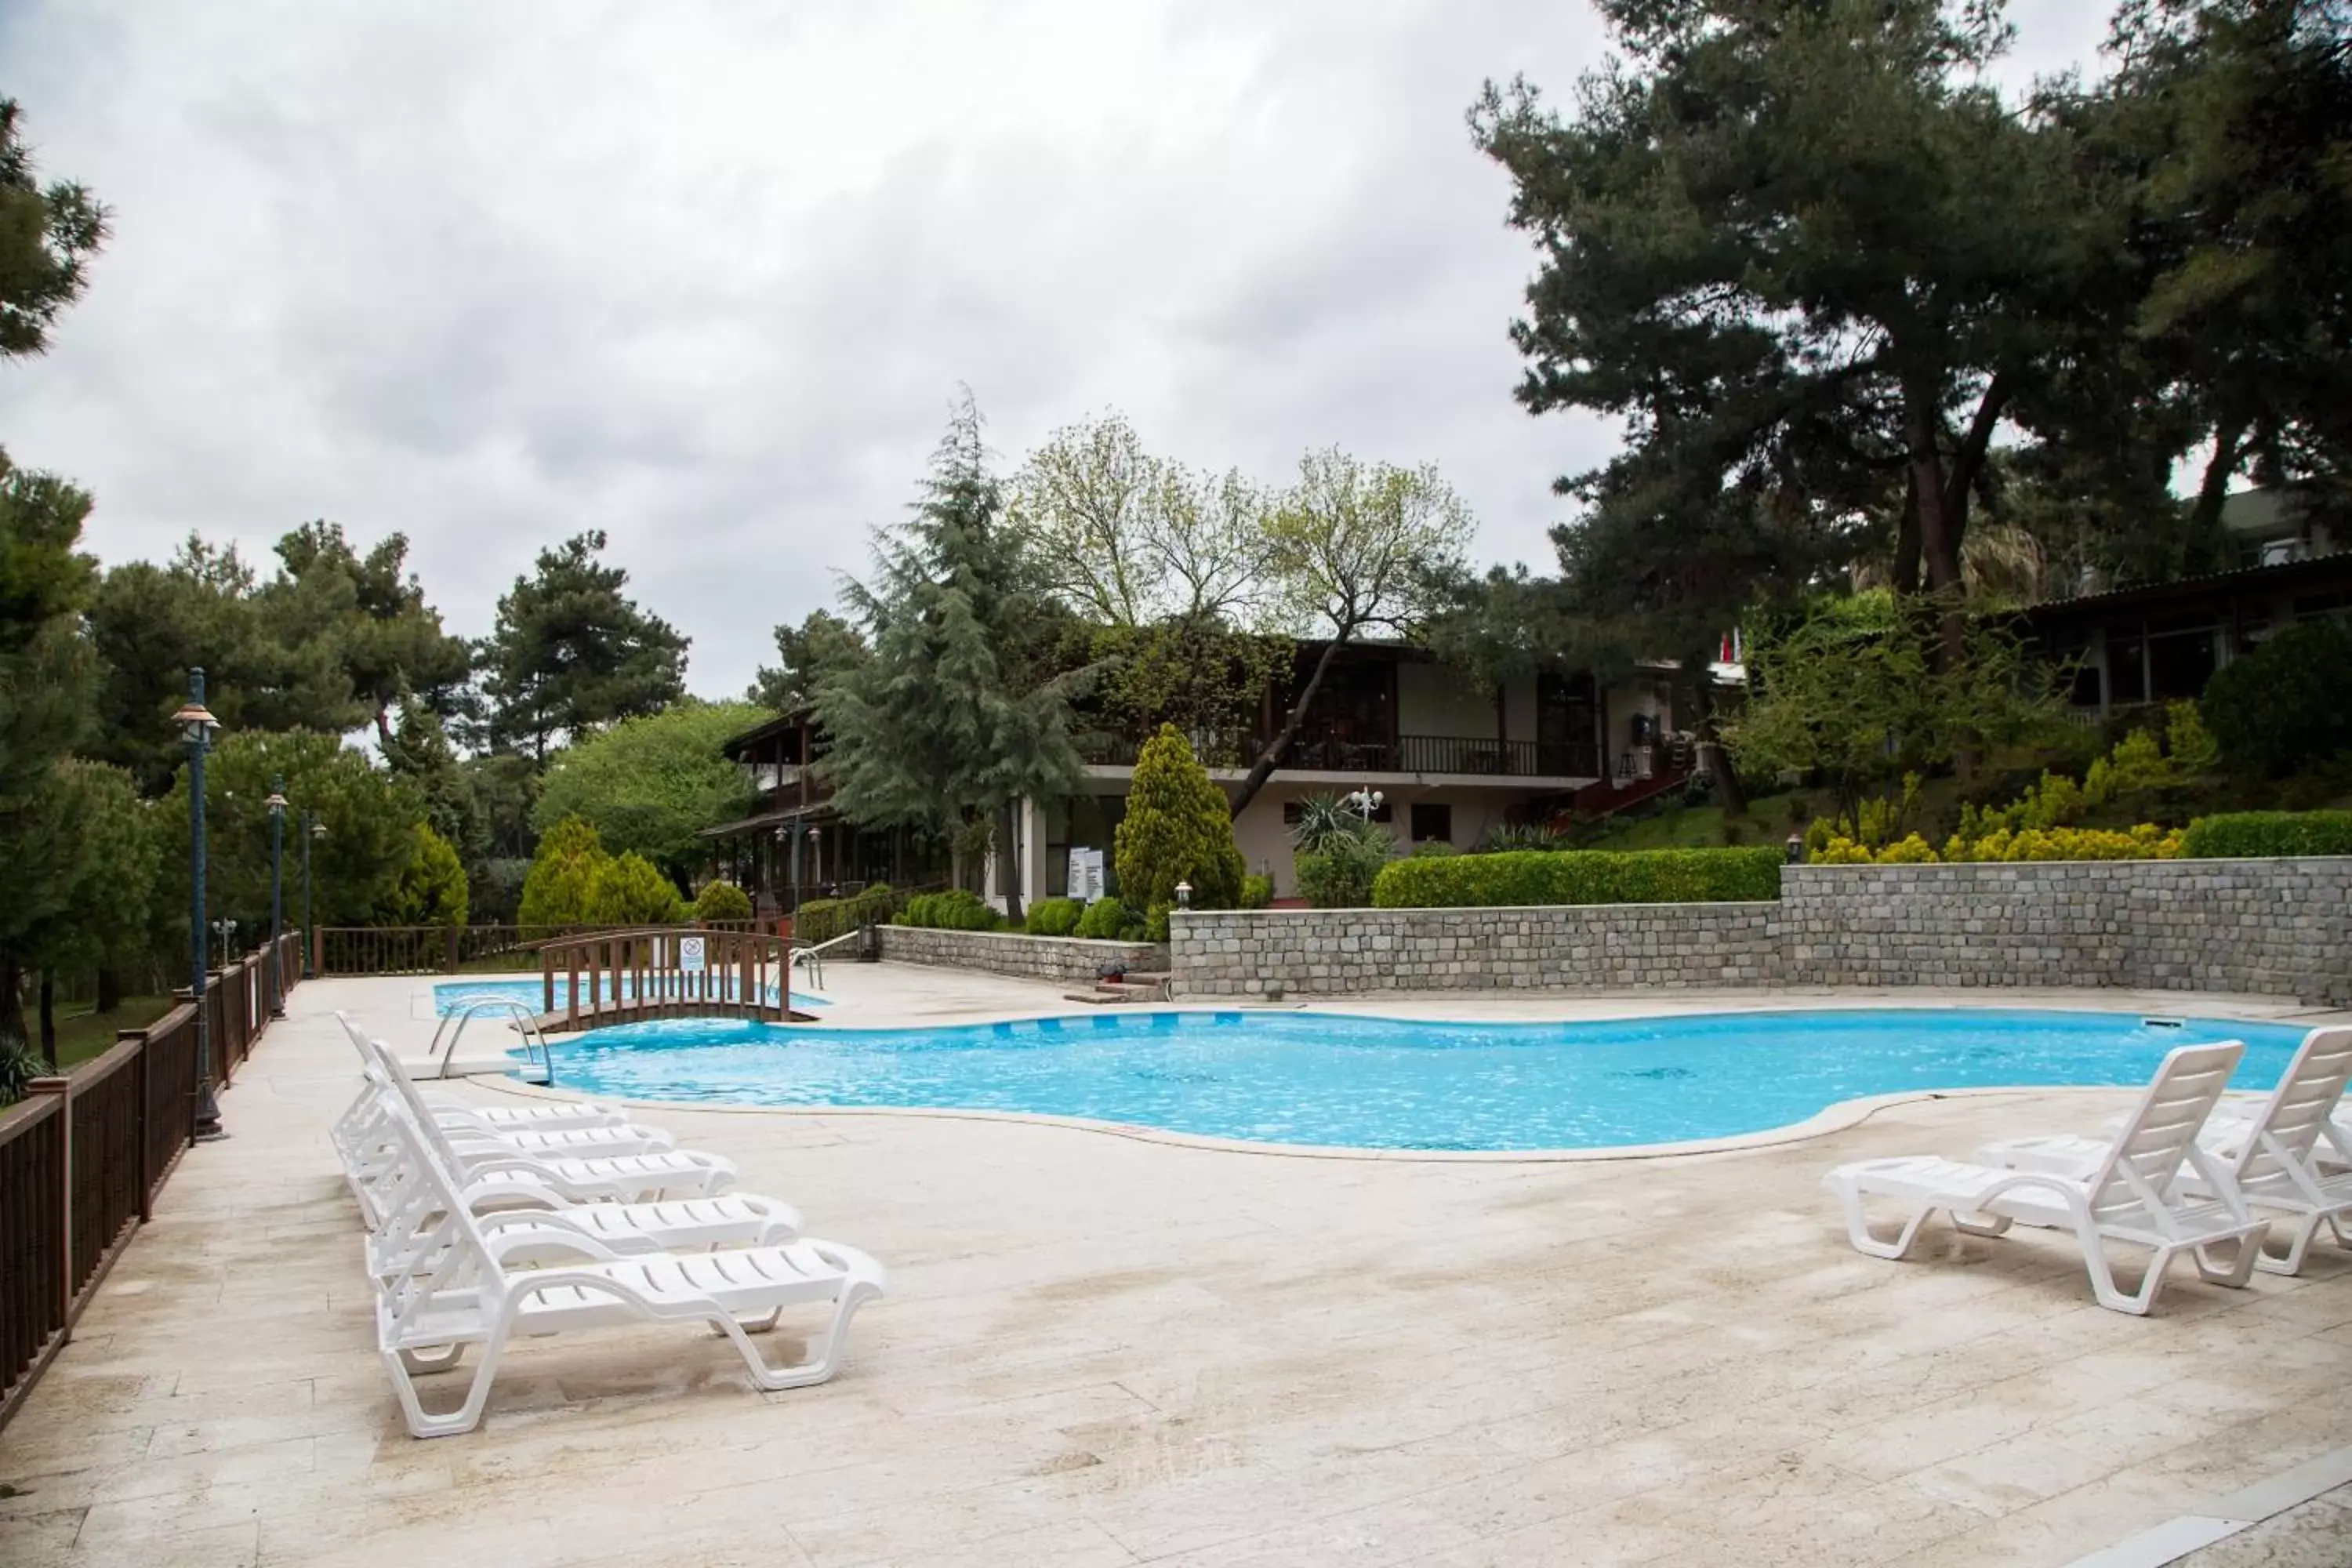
(707, 276)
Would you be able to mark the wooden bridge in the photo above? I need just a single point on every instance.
(667, 972)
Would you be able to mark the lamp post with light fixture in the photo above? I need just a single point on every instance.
(311, 828)
(277, 805)
(196, 726)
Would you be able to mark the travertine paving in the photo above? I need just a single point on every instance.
(1102, 1351)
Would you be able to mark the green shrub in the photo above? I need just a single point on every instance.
(632, 891)
(955, 909)
(561, 887)
(2252, 834)
(1257, 891)
(19, 1066)
(1053, 917)
(430, 890)
(1105, 919)
(1435, 848)
(2282, 705)
(1520, 836)
(722, 901)
(1342, 876)
(1178, 827)
(1155, 922)
(821, 920)
(1580, 877)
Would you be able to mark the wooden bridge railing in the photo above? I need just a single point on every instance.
(84, 1154)
(665, 972)
(445, 949)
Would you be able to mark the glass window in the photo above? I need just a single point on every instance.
(1431, 819)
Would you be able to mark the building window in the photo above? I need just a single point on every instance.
(1431, 819)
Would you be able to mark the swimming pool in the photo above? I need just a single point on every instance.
(452, 995)
(1389, 1083)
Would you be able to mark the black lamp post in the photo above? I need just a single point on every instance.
(311, 828)
(277, 805)
(197, 726)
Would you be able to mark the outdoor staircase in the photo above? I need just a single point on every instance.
(1135, 985)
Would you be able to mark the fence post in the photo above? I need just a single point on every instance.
(139, 1077)
(449, 950)
(63, 1088)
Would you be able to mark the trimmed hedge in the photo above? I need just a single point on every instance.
(821, 920)
(956, 909)
(1053, 917)
(2252, 834)
(1580, 876)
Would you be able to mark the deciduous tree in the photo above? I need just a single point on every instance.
(651, 785)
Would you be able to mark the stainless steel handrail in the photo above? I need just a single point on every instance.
(523, 1020)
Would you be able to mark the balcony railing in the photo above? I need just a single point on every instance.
(1327, 752)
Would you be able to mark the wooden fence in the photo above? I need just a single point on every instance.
(445, 949)
(665, 972)
(83, 1155)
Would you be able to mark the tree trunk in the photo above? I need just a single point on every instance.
(1009, 857)
(48, 1017)
(110, 989)
(1906, 577)
(1712, 753)
(12, 1000)
(2206, 546)
(1271, 758)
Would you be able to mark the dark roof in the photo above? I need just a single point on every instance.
(779, 817)
(757, 733)
(2285, 577)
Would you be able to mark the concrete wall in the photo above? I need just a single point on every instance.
(2268, 927)
(1067, 960)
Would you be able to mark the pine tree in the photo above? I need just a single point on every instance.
(1177, 829)
(957, 714)
(572, 652)
(562, 876)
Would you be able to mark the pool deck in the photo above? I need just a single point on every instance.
(1109, 1350)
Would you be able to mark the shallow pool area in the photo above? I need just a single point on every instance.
(450, 995)
(1338, 1079)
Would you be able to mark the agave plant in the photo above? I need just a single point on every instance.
(19, 1066)
(1327, 822)
(1521, 836)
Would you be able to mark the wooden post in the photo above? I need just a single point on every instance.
(63, 1088)
(140, 1075)
(448, 950)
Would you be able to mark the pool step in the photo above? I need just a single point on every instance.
(1136, 986)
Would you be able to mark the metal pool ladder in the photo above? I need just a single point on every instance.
(520, 1019)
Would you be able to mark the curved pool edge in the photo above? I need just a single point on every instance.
(1836, 1118)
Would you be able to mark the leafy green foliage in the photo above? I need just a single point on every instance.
(19, 1066)
(956, 909)
(2282, 705)
(1342, 876)
(369, 815)
(106, 918)
(958, 713)
(561, 887)
(419, 750)
(1864, 693)
(1257, 891)
(821, 920)
(1581, 876)
(1519, 835)
(650, 785)
(721, 901)
(819, 647)
(1055, 917)
(2251, 834)
(1177, 828)
(629, 890)
(430, 890)
(1324, 820)
(571, 652)
(1110, 920)
(47, 235)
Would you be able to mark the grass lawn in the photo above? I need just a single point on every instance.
(1701, 827)
(82, 1034)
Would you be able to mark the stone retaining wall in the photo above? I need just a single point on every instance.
(1243, 953)
(1066, 959)
(2280, 927)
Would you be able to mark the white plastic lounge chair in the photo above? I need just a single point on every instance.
(516, 1118)
(460, 1292)
(492, 1177)
(2131, 1196)
(2269, 1157)
(563, 1230)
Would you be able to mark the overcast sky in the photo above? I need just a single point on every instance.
(705, 276)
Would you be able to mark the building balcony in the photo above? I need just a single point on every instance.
(1455, 757)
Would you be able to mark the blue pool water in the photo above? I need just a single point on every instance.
(448, 997)
(1310, 1078)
